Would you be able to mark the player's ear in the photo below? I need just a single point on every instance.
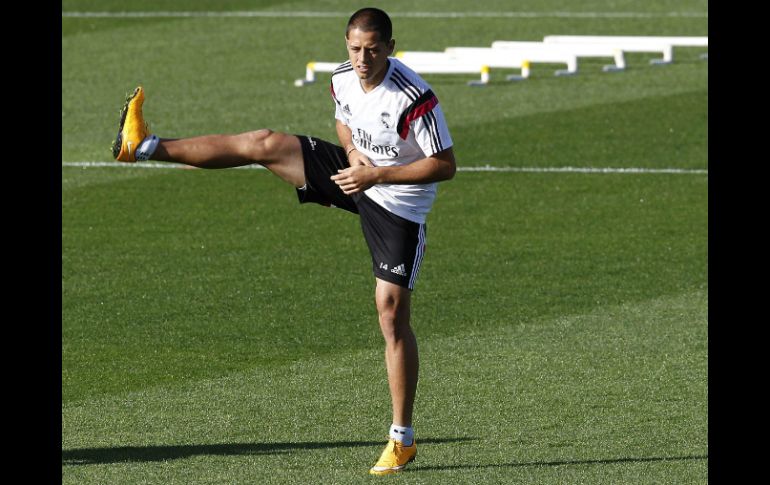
(391, 46)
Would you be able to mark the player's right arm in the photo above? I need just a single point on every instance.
(346, 140)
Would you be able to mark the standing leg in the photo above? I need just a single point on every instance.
(401, 358)
(402, 363)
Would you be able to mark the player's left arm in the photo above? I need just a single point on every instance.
(435, 168)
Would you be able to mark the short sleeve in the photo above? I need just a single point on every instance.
(431, 131)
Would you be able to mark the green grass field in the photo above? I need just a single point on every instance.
(214, 331)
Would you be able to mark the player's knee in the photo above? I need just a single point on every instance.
(257, 144)
(262, 135)
(393, 322)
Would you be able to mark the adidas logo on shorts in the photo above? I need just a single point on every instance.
(399, 270)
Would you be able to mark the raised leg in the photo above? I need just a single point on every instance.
(278, 152)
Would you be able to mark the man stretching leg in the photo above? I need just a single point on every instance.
(394, 148)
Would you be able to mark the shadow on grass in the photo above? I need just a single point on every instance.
(611, 461)
(92, 456)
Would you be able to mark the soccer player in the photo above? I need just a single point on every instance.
(394, 148)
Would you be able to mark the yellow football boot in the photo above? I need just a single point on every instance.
(394, 458)
(133, 130)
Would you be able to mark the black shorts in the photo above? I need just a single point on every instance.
(397, 245)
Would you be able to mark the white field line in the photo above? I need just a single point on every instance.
(306, 14)
(483, 168)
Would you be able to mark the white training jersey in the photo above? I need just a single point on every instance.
(396, 123)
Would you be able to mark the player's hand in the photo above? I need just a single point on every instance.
(356, 179)
(357, 158)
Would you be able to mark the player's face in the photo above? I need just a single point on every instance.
(368, 55)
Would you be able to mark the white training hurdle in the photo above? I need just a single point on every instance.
(422, 65)
(555, 49)
(433, 62)
(313, 67)
(516, 59)
(578, 50)
(633, 43)
(452, 58)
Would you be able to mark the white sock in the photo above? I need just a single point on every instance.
(403, 434)
(145, 149)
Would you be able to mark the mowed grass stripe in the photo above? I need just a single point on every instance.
(654, 132)
(393, 14)
(634, 375)
(346, 7)
(605, 134)
(485, 168)
(189, 273)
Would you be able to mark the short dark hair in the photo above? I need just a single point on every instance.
(371, 20)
